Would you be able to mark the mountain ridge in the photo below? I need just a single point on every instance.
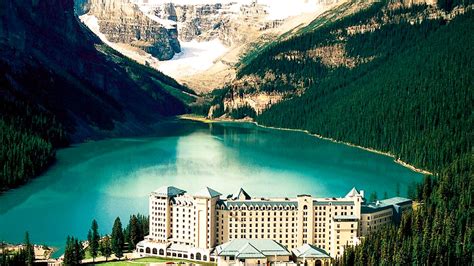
(73, 87)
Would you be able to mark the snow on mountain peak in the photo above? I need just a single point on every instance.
(276, 9)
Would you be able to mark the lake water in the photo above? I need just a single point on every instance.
(105, 179)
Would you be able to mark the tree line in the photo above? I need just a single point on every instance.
(120, 240)
(24, 256)
(107, 245)
(414, 100)
(28, 138)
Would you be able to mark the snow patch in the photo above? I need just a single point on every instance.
(277, 9)
(195, 57)
(93, 24)
(168, 24)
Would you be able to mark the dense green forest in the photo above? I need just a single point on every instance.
(413, 99)
(28, 138)
(60, 84)
(440, 232)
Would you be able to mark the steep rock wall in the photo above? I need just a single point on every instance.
(123, 22)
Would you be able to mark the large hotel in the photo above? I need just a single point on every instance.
(239, 229)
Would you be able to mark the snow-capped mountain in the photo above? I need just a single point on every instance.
(203, 38)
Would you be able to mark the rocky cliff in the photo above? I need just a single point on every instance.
(121, 21)
(49, 60)
(277, 75)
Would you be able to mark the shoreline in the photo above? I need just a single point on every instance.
(396, 160)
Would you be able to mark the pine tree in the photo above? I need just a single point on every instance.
(93, 238)
(117, 239)
(68, 252)
(373, 196)
(74, 252)
(135, 229)
(106, 247)
(78, 252)
(29, 249)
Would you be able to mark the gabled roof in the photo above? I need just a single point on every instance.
(249, 251)
(395, 201)
(384, 204)
(353, 193)
(168, 191)
(259, 204)
(207, 193)
(310, 251)
(252, 248)
(243, 195)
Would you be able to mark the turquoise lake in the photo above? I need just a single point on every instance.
(105, 179)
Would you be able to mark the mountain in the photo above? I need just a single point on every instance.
(212, 34)
(123, 22)
(394, 76)
(59, 84)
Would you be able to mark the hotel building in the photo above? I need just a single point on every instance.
(192, 226)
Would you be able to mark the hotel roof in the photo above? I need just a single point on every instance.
(333, 202)
(261, 203)
(252, 248)
(345, 218)
(395, 201)
(309, 251)
(353, 193)
(207, 193)
(168, 191)
(243, 195)
(384, 204)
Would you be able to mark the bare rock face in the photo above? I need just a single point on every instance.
(206, 22)
(123, 22)
(49, 60)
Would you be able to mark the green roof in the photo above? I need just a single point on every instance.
(261, 203)
(252, 248)
(243, 194)
(384, 204)
(353, 193)
(207, 193)
(168, 191)
(249, 251)
(310, 251)
(395, 201)
(326, 203)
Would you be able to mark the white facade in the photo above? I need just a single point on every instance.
(191, 226)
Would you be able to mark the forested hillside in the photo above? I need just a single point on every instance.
(397, 82)
(413, 100)
(60, 84)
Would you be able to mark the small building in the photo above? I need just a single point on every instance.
(252, 252)
(378, 214)
(311, 256)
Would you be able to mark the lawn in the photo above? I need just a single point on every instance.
(146, 261)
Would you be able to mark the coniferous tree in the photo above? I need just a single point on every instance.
(117, 238)
(74, 252)
(106, 247)
(135, 235)
(29, 250)
(413, 99)
(93, 237)
(78, 251)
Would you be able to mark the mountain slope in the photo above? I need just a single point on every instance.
(59, 83)
(412, 95)
(399, 80)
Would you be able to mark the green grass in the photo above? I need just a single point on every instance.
(146, 261)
